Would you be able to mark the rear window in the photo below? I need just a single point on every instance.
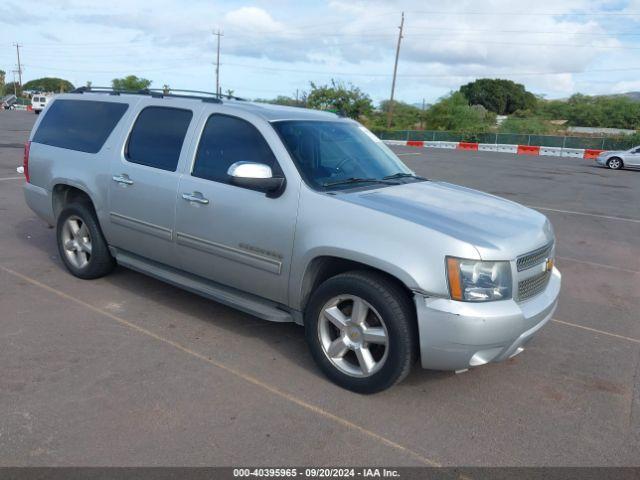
(157, 137)
(80, 125)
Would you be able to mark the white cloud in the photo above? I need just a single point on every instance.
(445, 44)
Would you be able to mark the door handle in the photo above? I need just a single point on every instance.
(123, 179)
(195, 197)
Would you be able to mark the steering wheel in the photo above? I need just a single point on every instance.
(343, 162)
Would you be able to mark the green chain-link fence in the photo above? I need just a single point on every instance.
(597, 143)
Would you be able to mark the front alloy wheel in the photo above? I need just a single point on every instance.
(353, 336)
(614, 163)
(361, 329)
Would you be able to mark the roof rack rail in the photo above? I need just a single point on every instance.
(160, 93)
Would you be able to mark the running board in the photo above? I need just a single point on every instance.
(231, 297)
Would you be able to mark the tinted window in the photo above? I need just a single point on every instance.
(79, 124)
(157, 137)
(227, 140)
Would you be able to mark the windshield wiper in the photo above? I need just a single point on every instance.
(404, 175)
(347, 181)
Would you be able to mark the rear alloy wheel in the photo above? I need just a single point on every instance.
(76, 241)
(360, 327)
(81, 245)
(614, 163)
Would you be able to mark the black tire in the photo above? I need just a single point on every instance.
(100, 261)
(395, 307)
(614, 165)
(37, 112)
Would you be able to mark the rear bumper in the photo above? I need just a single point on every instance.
(458, 335)
(39, 200)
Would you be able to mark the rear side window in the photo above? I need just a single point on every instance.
(157, 137)
(227, 140)
(80, 125)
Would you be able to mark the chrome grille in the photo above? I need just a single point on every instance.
(533, 285)
(534, 258)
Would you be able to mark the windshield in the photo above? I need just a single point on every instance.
(328, 153)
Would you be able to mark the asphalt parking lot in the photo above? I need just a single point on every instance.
(127, 370)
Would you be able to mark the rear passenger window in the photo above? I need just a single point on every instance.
(81, 125)
(227, 140)
(157, 137)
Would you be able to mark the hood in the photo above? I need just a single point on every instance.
(498, 228)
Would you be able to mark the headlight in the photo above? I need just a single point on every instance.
(477, 281)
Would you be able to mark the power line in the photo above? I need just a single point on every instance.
(354, 74)
(520, 14)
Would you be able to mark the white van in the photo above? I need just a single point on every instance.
(38, 102)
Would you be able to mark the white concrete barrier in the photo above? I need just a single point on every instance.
(572, 152)
(552, 151)
(448, 144)
(395, 142)
(488, 147)
(506, 148)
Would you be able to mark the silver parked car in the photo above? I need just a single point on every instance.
(293, 215)
(616, 160)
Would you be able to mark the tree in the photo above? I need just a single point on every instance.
(284, 100)
(131, 83)
(49, 84)
(405, 116)
(499, 96)
(348, 99)
(455, 113)
(599, 111)
(11, 88)
(2, 77)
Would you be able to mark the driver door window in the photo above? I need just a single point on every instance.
(225, 141)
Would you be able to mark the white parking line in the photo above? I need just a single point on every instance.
(599, 265)
(403, 154)
(12, 178)
(231, 370)
(607, 217)
(595, 330)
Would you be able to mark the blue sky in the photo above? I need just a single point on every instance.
(276, 47)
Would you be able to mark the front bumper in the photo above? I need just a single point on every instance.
(458, 335)
(601, 160)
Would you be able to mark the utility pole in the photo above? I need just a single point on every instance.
(17, 45)
(15, 89)
(218, 34)
(395, 70)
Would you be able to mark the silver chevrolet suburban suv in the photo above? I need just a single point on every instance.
(293, 215)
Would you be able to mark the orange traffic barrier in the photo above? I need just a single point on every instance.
(591, 153)
(467, 146)
(528, 150)
(415, 143)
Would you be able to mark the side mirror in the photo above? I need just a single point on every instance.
(256, 176)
